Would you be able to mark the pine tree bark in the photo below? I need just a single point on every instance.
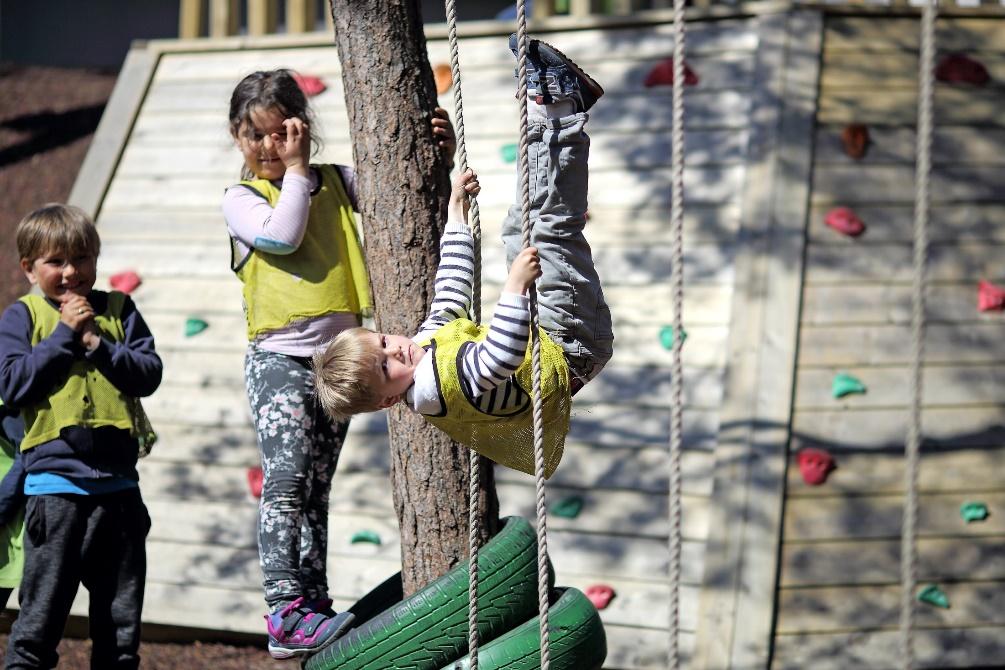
(402, 188)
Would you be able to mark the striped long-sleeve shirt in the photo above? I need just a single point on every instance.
(488, 366)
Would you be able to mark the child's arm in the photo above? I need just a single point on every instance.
(132, 365)
(28, 374)
(455, 273)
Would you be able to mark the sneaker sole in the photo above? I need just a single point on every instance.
(280, 653)
(595, 88)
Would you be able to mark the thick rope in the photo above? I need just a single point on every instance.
(542, 529)
(908, 547)
(677, 292)
(474, 477)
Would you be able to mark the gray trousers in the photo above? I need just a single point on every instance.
(571, 302)
(98, 541)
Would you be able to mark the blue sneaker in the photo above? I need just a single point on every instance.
(302, 628)
(553, 77)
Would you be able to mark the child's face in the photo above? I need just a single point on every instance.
(398, 356)
(60, 274)
(254, 139)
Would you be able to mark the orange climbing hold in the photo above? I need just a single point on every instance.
(855, 138)
(962, 69)
(662, 75)
(444, 78)
(310, 85)
(845, 221)
(990, 298)
(814, 465)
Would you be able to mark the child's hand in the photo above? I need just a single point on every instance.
(465, 185)
(525, 269)
(443, 133)
(295, 148)
(76, 312)
(89, 336)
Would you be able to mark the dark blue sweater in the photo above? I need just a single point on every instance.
(30, 374)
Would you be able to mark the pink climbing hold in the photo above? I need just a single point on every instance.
(662, 75)
(125, 281)
(600, 595)
(255, 479)
(309, 84)
(962, 69)
(990, 298)
(815, 465)
(845, 221)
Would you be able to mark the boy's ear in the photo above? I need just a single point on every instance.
(27, 267)
(388, 401)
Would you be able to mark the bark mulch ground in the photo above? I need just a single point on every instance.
(47, 120)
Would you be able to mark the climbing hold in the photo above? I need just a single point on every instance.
(365, 536)
(662, 75)
(600, 595)
(844, 220)
(444, 78)
(667, 337)
(962, 69)
(310, 85)
(568, 508)
(855, 138)
(125, 281)
(990, 298)
(844, 384)
(815, 464)
(933, 595)
(974, 511)
(255, 479)
(508, 153)
(194, 325)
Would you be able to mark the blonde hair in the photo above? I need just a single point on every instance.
(55, 227)
(343, 371)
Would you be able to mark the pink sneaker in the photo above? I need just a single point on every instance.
(303, 628)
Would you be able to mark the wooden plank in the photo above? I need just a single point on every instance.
(890, 304)
(884, 184)
(956, 262)
(896, 69)
(865, 345)
(640, 649)
(877, 562)
(641, 603)
(113, 130)
(190, 19)
(966, 648)
(880, 517)
(872, 34)
(943, 386)
(951, 145)
(951, 106)
(840, 609)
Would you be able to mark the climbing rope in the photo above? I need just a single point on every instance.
(542, 530)
(474, 477)
(677, 292)
(908, 546)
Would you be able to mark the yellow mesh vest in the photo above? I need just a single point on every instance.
(508, 440)
(85, 397)
(326, 273)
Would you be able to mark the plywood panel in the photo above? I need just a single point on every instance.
(867, 33)
(951, 106)
(862, 345)
(959, 222)
(896, 144)
(896, 69)
(882, 184)
(890, 304)
(945, 386)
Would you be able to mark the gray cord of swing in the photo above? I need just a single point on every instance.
(908, 547)
(474, 477)
(542, 530)
(677, 292)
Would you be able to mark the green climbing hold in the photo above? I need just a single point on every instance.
(933, 595)
(974, 511)
(667, 337)
(844, 384)
(508, 153)
(568, 508)
(365, 536)
(194, 326)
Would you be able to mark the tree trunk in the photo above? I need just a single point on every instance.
(403, 187)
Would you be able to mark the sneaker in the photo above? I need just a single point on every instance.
(303, 628)
(552, 76)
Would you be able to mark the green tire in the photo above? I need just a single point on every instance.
(577, 640)
(430, 629)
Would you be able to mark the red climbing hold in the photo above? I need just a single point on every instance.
(855, 138)
(310, 85)
(125, 281)
(662, 75)
(444, 78)
(600, 595)
(255, 478)
(845, 221)
(815, 465)
(990, 298)
(962, 69)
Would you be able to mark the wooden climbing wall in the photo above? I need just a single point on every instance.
(838, 592)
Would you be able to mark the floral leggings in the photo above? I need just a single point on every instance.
(300, 448)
